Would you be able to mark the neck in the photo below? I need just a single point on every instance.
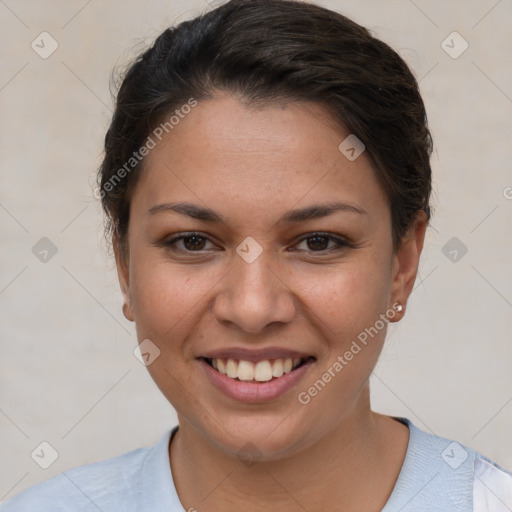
(354, 465)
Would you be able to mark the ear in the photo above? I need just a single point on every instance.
(406, 261)
(123, 274)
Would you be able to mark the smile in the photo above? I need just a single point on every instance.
(255, 376)
(259, 371)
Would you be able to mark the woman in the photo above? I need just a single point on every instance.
(266, 183)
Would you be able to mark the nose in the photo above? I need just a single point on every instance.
(253, 296)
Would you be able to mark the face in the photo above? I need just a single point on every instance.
(255, 245)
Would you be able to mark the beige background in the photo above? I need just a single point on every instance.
(68, 375)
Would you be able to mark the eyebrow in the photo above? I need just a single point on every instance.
(312, 212)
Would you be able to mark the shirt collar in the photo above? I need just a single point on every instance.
(437, 474)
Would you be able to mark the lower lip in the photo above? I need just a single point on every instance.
(255, 392)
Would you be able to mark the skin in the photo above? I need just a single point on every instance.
(252, 165)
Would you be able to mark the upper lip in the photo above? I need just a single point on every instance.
(261, 354)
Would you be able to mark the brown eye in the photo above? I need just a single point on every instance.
(194, 242)
(319, 242)
(191, 242)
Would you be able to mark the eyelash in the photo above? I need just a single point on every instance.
(340, 243)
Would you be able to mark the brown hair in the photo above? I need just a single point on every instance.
(265, 51)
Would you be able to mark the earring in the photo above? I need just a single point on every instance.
(399, 308)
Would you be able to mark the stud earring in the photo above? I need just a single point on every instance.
(399, 308)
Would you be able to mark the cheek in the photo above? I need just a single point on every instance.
(346, 306)
(342, 299)
(348, 298)
(165, 298)
(165, 302)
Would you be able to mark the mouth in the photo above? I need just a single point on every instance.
(264, 370)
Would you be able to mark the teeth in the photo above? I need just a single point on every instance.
(277, 368)
(262, 371)
(245, 370)
(232, 368)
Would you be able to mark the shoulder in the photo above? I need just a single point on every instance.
(492, 486)
(441, 474)
(111, 484)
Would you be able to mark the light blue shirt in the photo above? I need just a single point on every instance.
(437, 475)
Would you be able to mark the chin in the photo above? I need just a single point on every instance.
(262, 437)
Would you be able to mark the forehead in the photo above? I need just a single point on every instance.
(235, 156)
